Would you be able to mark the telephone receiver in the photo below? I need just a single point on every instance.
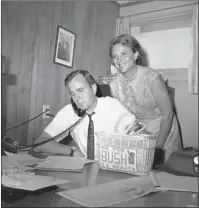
(13, 146)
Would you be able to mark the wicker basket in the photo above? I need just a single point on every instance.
(132, 154)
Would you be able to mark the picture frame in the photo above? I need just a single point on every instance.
(64, 47)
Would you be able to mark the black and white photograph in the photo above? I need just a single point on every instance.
(64, 51)
(99, 103)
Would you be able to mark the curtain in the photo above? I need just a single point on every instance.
(123, 26)
(193, 61)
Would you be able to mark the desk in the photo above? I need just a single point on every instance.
(93, 175)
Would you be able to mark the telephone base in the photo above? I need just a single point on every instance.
(9, 145)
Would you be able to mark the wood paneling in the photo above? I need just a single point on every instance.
(28, 36)
(19, 26)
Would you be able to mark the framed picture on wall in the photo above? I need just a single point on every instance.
(64, 47)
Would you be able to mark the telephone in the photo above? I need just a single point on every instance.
(182, 162)
(14, 146)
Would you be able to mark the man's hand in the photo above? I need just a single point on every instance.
(78, 153)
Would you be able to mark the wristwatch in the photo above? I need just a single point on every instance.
(73, 149)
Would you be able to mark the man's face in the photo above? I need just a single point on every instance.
(82, 94)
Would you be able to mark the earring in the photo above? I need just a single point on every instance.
(137, 57)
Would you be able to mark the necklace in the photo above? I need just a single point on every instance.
(128, 79)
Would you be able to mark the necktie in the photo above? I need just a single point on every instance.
(91, 142)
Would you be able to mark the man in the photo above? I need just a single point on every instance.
(82, 89)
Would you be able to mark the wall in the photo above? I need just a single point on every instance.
(156, 6)
(160, 15)
(186, 105)
(19, 29)
(28, 42)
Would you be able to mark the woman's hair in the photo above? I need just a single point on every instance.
(89, 78)
(131, 42)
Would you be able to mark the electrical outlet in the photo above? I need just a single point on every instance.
(46, 107)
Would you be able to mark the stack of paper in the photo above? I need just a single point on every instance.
(24, 159)
(110, 193)
(9, 164)
(62, 163)
(30, 182)
(167, 181)
(15, 175)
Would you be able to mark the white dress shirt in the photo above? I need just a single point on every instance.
(107, 112)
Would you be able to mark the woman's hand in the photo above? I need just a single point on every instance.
(134, 128)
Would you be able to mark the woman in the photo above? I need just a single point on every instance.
(143, 91)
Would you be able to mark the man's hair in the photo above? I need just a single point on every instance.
(88, 77)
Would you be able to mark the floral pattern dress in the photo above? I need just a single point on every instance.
(136, 95)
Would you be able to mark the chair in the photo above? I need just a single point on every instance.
(103, 90)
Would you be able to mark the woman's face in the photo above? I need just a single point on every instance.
(123, 58)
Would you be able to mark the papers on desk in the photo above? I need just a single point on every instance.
(15, 175)
(110, 193)
(63, 163)
(30, 182)
(10, 163)
(167, 181)
(24, 158)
